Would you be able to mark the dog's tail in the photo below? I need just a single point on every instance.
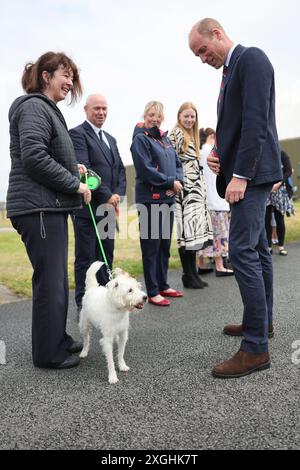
(91, 280)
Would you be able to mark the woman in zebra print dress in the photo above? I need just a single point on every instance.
(194, 229)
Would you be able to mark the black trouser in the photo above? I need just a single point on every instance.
(45, 236)
(280, 225)
(87, 250)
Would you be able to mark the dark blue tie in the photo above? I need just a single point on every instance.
(106, 149)
(100, 136)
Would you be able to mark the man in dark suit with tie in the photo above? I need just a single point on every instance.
(247, 162)
(97, 150)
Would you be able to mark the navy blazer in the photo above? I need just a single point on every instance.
(95, 155)
(247, 141)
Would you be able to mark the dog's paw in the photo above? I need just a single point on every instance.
(113, 380)
(83, 354)
(124, 368)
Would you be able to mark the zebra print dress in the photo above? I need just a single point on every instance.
(194, 228)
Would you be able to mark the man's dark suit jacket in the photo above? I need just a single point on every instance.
(95, 155)
(247, 141)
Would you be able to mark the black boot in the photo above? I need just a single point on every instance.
(194, 273)
(188, 279)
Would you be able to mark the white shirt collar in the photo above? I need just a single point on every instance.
(229, 55)
(95, 128)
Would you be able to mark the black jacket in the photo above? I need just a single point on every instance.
(44, 174)
(106, 163)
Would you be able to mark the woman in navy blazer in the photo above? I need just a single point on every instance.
(159, 177)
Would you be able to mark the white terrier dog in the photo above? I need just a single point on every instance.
(107, 308)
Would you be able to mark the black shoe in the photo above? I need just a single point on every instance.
(205, 270)
(199, 280)
(76, 347)
(190, 282)
(71, 361)
(224, 273)
(190, 278)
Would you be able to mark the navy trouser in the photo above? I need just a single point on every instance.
(45, 236)
(87, 250)
(155, 240)
(252, 262)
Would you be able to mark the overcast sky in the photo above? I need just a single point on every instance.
(134, 51)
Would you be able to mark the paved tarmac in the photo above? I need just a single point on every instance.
(168, 400)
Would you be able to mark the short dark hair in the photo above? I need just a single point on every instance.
(204, 133)
(33, 82)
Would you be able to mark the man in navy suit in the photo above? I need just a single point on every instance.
(247, 161)
(99, 152)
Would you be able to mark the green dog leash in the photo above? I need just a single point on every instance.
(93, 181)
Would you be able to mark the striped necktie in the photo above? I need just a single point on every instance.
(222, 88)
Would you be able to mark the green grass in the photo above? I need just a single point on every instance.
(292, 225)
(16, 271)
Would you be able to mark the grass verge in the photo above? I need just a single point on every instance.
(16, 271)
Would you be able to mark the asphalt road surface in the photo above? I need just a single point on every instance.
(169, 399)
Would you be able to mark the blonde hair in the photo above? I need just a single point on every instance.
(157, 105)
(186, 135)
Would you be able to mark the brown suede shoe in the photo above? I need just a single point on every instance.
(236, 330)
(242, 363)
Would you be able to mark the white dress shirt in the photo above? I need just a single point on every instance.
(214, 201)
(97, 130)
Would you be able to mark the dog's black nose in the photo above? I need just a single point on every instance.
(145, 298)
